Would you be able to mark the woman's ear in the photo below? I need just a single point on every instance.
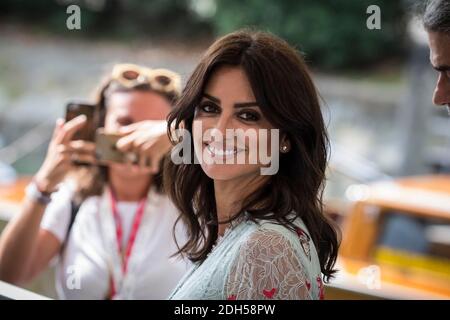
(285, 144)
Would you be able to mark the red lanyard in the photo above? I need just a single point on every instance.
(125, 256)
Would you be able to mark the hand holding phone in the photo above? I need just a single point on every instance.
(149, 140)
(63, 152)
(106, 149)
(87, 132)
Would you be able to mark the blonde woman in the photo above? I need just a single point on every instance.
(120, 243)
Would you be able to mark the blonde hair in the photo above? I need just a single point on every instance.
(91, 180)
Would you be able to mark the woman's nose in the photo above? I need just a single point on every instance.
(222, 124)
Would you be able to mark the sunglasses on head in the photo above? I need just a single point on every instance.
(160, 80)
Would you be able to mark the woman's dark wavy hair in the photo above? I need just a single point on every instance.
(288, 98)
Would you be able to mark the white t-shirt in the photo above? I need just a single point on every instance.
(90, 256)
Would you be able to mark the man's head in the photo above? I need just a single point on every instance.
(437, 24)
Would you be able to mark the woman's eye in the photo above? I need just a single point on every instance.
(124, 121)
(249, 116)
(208, 108)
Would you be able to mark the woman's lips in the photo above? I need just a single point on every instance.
(217, 150)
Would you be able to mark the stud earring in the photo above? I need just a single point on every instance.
(284, 148)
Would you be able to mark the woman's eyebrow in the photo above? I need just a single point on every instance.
(236, 105)
(216, 100)
(245, 104)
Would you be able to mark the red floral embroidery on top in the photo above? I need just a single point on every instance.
(320, 284)
(304, 241)
(232, 297)
(308, 284)
(269, 294)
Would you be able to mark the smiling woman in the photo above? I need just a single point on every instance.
(216, 115)
(252, 236)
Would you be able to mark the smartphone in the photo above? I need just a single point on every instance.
(87, 132)
(106, 151)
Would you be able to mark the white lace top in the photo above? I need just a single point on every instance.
(256, 261)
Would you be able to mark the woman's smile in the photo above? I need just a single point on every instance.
(217, 150)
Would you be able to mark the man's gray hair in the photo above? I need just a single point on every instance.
(437, 16)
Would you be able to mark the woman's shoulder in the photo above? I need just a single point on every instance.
(294, 237)
(263, 233)
(274, 261)
(277, 228)
(88, 208)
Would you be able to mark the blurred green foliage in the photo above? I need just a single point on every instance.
(125, 19)
(332, 33)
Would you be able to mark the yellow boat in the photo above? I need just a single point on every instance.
(396, 240)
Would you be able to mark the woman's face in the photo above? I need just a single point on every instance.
(227, 103)
(125, 108)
